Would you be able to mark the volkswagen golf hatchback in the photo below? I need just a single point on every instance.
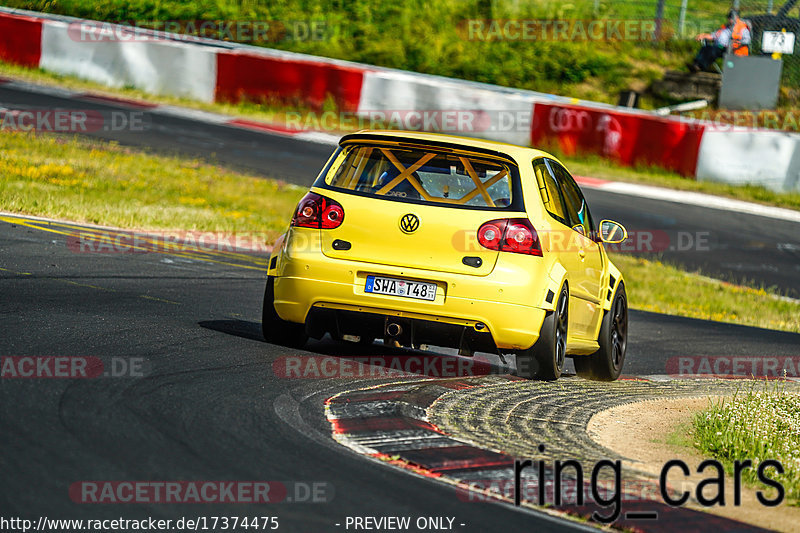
(419, 238)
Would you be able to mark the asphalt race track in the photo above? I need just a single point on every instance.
(209, 406)
(252, 151)
(207, 403)
(732, 246)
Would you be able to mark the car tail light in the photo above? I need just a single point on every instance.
(515, 235)
(490, 235)
(319, 212)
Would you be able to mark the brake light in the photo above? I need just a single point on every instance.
(516, 235)
(319, 212)
(490, 235)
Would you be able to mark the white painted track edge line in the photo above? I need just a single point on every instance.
(696, 198)
(628, 189)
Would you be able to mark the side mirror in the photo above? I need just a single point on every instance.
(612, 232)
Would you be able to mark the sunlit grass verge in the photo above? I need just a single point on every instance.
(81, 180)
(757, 425)
(281, 114)
(663, 288)
(103, 183)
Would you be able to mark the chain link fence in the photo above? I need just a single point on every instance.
(684, 19)
(680, 19)
(776, 16)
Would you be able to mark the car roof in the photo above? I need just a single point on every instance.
(519, 153)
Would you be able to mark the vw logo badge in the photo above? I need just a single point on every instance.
(409, 223)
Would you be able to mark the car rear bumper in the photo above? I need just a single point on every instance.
(479, 303)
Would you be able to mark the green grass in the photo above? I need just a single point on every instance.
(679, 438)
(586, 165)
(103, 183)
(661, 288)
(430, 37)
(757, 425)
(97, 182)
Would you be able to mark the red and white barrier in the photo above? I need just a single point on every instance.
(263, 76)
(627, 137)
(506, 114)
(157, 66)
(209, 72)
(768, 158)
(20, 39)
(119, 56)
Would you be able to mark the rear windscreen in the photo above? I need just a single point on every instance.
(424, 176)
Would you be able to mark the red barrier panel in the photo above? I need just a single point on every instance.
(257, 77)
(20, 39)
(625, 137)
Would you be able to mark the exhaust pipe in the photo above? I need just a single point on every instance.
(393, 329)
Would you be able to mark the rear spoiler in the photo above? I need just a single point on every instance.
(420, 143)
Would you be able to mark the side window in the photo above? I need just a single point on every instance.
(549, 191)
(577, 210)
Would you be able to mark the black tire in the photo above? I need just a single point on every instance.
(545, 359)
(275, 329)
(607, 362)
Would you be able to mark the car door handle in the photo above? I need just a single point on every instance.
(582, 254)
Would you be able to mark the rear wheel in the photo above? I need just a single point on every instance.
(275, 329)
(606, 363)
(545, 359)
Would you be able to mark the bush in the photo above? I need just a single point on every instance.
(415, 35)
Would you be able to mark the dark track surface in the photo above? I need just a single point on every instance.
(726, 245)
(210, 406)
(261, 153)
(735, 247)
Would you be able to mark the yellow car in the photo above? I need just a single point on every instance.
(424, 238)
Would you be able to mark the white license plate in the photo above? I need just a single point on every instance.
(401, 287)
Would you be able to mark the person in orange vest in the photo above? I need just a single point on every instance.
(734, 37)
